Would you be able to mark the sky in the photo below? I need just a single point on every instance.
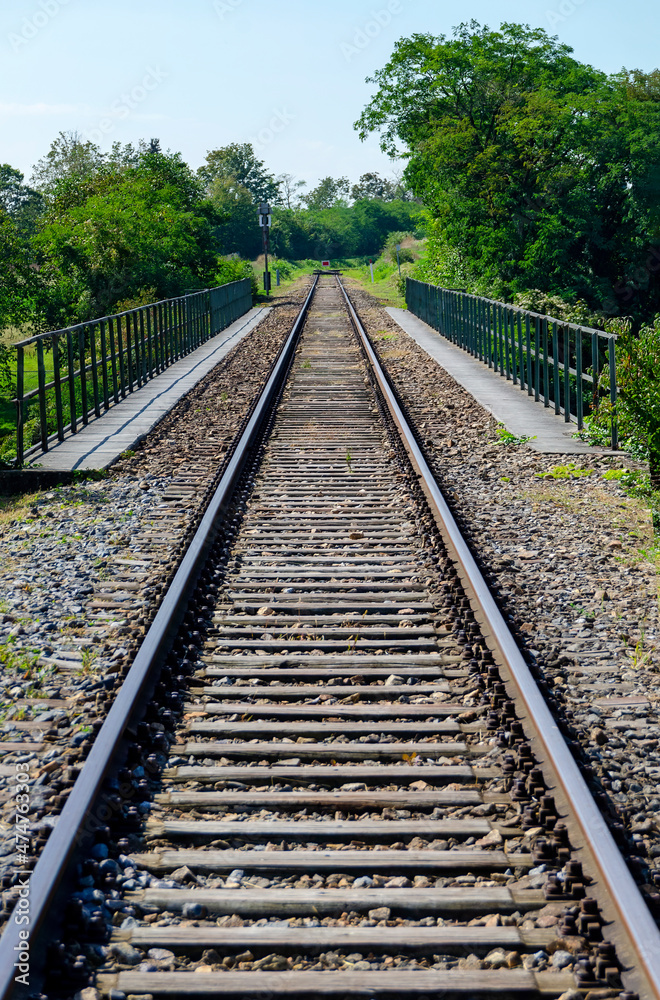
(288, 77)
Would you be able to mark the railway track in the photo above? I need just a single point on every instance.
(343, 781)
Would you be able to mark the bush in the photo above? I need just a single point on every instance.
(234, 269)
(637, 368)
(638, 403)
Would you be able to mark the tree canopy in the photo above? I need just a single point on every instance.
(139, 220)
(328, 192)
(542, 171)
(238, 163)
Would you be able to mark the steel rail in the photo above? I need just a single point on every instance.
(624, 895)
(47, 876)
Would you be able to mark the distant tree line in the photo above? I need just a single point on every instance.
(332, 220)
(94, 231)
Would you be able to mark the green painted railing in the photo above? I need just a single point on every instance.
(568, 367)
(83, 370)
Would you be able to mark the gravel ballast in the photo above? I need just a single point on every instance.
(82, 573)
(572, 562)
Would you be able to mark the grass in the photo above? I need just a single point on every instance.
(630, 516)
(385, 288)
(17, 508)
(385, 285)
(507, 438)
(570, 471)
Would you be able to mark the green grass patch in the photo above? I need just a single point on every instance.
(570, 471)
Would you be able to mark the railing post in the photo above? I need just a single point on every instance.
(82, 360)
(104, 367)
(485, 332)
(95, 372)
(567, 374)
(41, 377)
(58, 387)
(611, 350)
(20, 415)
(132, 322)
(528, 353)
(511, 325)
(555, 365)
(595, 367)
(113, 360)
(546, 373)
(147, 351)
(537, 359)
(124, 360)
(579, 401)
(73, 416)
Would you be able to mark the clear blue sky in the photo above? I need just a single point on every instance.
(289, 76)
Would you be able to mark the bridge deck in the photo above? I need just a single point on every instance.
(104, 439)
(519, 413)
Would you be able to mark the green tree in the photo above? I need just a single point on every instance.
(638, 365)
(290, 190)
(536, 166)
(19, 279)
(372, 185)
(19, 201)
(70, 161)
(238, 228)
(330, 191)
(238, 162)
(128, 228)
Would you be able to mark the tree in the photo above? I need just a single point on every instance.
(238, 228)
(239, 163)
(638, 364)
(290, 189)
(328, 192)
(19, 201)
(69, 161)
(532, 162)
(129, 228)
(19, 279)
(373, 186)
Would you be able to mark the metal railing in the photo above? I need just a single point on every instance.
(83, 370)
(567, 366)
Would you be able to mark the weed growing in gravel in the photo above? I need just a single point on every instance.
(306, 363)
(18, 660)
(88, 658)
(638, 485)
(506, 437)
(582, 612)
(570, 471)
(638, 656)
(13, 509)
